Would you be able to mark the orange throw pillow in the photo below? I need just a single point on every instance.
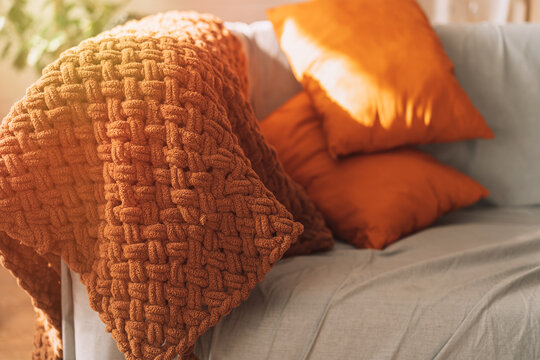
(377, 72)
(368, 200)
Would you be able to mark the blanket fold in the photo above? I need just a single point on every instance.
(137, 160)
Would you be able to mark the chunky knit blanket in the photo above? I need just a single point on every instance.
(137, 160)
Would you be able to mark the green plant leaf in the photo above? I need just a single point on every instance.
(5, 50)
(56, 42)
(20, 58)
(32, 33)
(39, 46)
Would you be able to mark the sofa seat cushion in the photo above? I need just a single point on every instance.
(469, 285)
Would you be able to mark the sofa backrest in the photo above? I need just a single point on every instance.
(499, 68)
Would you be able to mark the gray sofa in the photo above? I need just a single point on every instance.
(468, 287)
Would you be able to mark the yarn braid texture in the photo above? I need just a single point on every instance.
(138, 161)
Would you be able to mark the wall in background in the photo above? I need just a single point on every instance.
(497, 11)
(230, 10)
(534, 10)
(13, 85)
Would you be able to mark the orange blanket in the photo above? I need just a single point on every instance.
(137, 160)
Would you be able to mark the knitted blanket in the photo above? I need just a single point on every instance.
(137, 160)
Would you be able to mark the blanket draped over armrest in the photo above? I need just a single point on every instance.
(137, 160)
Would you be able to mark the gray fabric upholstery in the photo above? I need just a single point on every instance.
(499, 68)
(467, 288)
(271, 81)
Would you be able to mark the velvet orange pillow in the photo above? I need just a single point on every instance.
(377, 72)
(369, 200)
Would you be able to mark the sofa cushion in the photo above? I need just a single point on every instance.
(369, 200)
(468, 287)
(377, 72)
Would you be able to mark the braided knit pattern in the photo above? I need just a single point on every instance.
(137, 159)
